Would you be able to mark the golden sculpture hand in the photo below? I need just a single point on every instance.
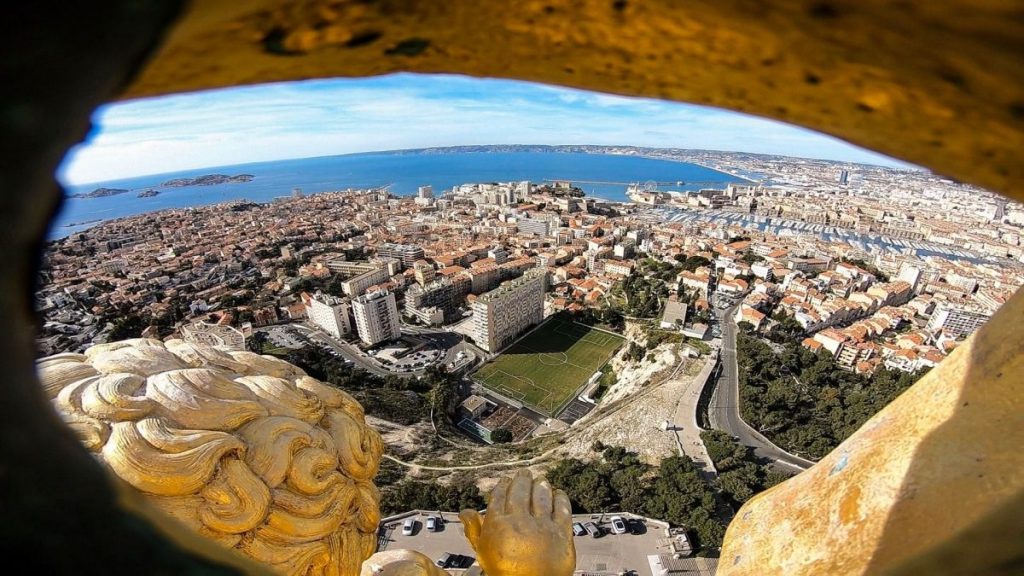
(527, 530)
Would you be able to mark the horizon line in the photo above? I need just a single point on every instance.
(457, 146)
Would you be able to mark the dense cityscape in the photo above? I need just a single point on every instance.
(529, 321)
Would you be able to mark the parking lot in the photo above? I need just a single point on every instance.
(619, 553)
(647, 548)
(285, 337)
(450, 538)
(390, 356)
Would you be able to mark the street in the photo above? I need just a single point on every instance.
(724, 411)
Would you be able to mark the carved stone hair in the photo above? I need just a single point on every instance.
(247, 450)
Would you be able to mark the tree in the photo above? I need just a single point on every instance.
(127, 326)
(785, 329)
(804, 401)
(400, 400)
(635, 352)
(751, 258)
(256, 342)
(501, 435)
(334, 287)
(674, 491)
(442, 391)
(691, 263)
(870, 268)
(630, 487)
(641, 296)
(740, 482)
(412, 494)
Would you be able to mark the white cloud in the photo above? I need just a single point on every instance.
(320, 118)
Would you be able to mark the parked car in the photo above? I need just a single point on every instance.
(433, 523)
(593, 529)
(445, 560)
(618, 525)
(460, 561)
(578, 529)
(408, 527)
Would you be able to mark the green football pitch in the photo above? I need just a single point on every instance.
(547, 368)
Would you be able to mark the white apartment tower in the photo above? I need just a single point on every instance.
(408, 254)
(331, 314)
(425, 196)
(376, 317)
(502, 314)
(955, 321)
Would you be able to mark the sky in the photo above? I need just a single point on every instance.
(343, 116)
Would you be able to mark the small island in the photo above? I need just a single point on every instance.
(148, 193)
(101, 193)
(83, 223)
(207, 180)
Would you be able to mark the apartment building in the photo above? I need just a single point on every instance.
(955, 321)
(330, 313)
(408, 254)
(434, 304)
(356, 285)
(502, 314)
(424, 272)
(376, 315)
(534, 226)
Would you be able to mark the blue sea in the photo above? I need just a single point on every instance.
(404, 172)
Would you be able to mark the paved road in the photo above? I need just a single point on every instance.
(348, 351)
(724, 411)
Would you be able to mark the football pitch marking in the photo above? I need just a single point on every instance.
(520, 394)
(523, 389)
(561, 360)
(584, 334)
(551, 358)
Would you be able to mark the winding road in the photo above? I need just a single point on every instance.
(724, 411)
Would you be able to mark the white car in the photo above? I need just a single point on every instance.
(618, 525)
(408, 527)
(433, 523)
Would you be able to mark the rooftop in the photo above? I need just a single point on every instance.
(509, 286)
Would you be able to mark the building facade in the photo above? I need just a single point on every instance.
(358, 284)
(536, 227)
(502, 314)
(331, 314)
(956, 322)
(376, 316)
(434, 303)
(408, 254)
(424, 272)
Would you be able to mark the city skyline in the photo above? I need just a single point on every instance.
(528, 313)
(349, 116)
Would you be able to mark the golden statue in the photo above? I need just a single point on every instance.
(252, 453)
